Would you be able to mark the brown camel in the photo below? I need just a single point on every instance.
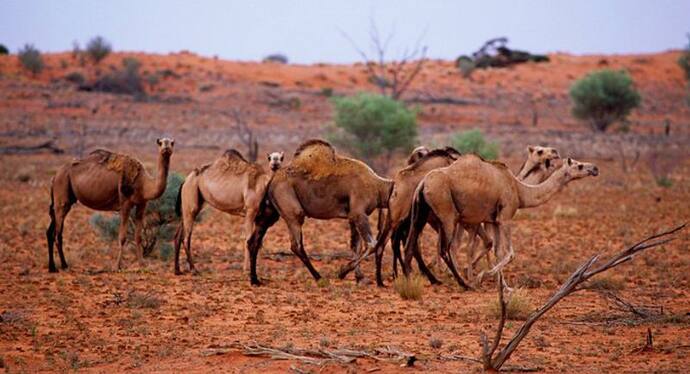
(106, 181)
(318, 183)
(230, 184)
(473, 191)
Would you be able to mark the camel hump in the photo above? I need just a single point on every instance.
(448, 153)
(128, 167)
(233, 154)
(315, 146)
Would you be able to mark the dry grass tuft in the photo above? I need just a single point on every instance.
(604, 283)
(436, 343)
(143, 300)
(565, 212)
(409, 288)
(518, 307)
(323, 283)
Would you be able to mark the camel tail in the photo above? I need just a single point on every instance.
(419, 214)
(50, 232)
(178, 201)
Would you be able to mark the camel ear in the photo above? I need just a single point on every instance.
(158, 141)
(281, 156)
(570, 161)
(269, 156)
(530, 149)
(172, 143)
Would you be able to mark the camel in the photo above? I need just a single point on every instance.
(473, 191)
(319, 183)
(106, 181)
(230, 184)
(417, 154)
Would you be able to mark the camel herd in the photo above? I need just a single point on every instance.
(453, 193)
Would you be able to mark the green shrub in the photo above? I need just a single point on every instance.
(277, 58)
(472, 141)
(466, 66)
(684, 60)
(371, 125)
(75, 77)
(4, 50)
(604, 97)
(31, 59)
(160, 222)
(98, 48)
(124, 81)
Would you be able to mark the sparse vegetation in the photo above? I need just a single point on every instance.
(604, 97)
(604, 283)
(124, 81)
(140, 300)
(4, 50)
(465, 65)
(409, 288)
(684, 60)
(435, 343)
(159, 222)
(75, 77)
(473, 141)
(661, 163)
(373, 125)
(98, 48)
(518, 306)
(277, 58)
(31, 59)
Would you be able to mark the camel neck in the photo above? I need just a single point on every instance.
(531, 196)
(155, 187)
(527, 168)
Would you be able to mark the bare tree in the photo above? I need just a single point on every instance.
(245, 133)
(393, 77)
(582, 274)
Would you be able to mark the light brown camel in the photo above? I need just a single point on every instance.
(106, 181)
(417, 154)
(230, 184)
(318, 183)
(474, 191)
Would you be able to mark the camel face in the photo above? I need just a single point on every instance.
(165, 145)
(576, 169)
(417, 154)
(543, 155)
(275, 160)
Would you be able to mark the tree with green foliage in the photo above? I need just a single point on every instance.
(98, 48)
(684, 60)
(472, 141)
(160, 222)
(604, 97)
(372, 125)
(31, 59)
(4, 50)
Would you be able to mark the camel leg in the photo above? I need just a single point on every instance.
(396, 239)
(447, 233)
(190, 208)
(354, 247)
(262, 222)
(122, 237)
(249, 229)
(188, 249)
(50, 236)
(417, 223)
(297, 246)
(56, 227)
(497, 243)
(178, 242)
(138, 226)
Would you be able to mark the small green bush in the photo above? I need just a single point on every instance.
(277, 58)
(98, 48)
(4, 50)
(472, 141)
(160, 222)
(465, 65)
(75, 77)
(123, 81)
(604, 97)
(684, 60)
(371, 125)
(31, 59)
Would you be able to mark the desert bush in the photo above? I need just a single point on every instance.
(518, 306)
(662, 163)
(409, 288)
(4, 50)
(604, 97)
(139, 300)
(684, 60)
(465, 65)
(435, 343)
(123, 81)
(371, 125)
(75, 77)
(278, 58)
(98, 48)
(473, 141)
(607, 283)
(327, 91)
(159, 222)
(31, 59)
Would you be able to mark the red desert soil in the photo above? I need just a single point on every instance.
(149, 320)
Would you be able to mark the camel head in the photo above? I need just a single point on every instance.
(542, 155)
(575, 169)
(275, 159)
(417, 154)
(165, 146)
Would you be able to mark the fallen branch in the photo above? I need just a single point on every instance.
(581, 275)
(29, 149)
(625, 306)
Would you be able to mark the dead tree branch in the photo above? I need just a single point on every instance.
(245, 133)
(572, 284)
(392, 77)
(48, 146)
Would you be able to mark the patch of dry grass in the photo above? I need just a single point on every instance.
(409, 288)
(518, 306)
(143, 300)
(605, 283)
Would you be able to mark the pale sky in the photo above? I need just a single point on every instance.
(309, 31)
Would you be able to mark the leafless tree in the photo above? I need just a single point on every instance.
(586, 271)
(394, 76)
(244, 132)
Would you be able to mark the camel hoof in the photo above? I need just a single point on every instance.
(64, 266)
(255, 282)
(342, 274)
(52, 269)
(195, 272)
(178, 272)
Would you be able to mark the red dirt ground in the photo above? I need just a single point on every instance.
(85, 318)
